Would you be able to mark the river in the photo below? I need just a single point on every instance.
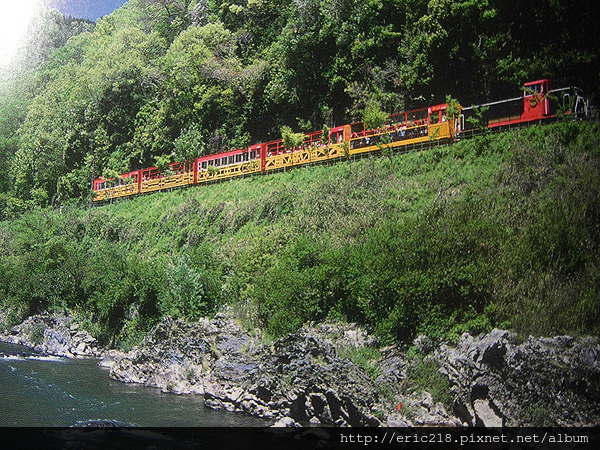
(48, 391)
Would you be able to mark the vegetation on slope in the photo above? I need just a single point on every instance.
(173, 79)
(501, 230)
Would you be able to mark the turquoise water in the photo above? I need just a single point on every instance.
(52, 391)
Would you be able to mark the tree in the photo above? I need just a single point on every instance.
(373, 117)
(291, 140)
(170, 17)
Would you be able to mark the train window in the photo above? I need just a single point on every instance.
(238, 158)
(337, 137)
(230, 160)
(224, 161)
(246, 156)
(204, 165)
(252, 154)
(217, 162)
(258, 153)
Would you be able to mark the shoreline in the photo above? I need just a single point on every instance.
(332, 374)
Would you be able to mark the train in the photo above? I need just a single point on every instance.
(437, 124)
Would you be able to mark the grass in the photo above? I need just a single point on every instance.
(425, 375)
(364, 357)
(497, 231)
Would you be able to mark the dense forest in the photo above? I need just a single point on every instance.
(497, 231)
(174, 79)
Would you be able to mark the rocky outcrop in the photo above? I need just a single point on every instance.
(413, 406)
(303, 379)
(53, 334)
(498, 381)
(301, 376)
(298, 379)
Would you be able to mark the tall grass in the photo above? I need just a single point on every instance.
(496, 231)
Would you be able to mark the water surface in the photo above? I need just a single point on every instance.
(38, 390)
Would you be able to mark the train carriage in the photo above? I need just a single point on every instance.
(123, 186)
(416, 127)
(404, 129)
(230, 164)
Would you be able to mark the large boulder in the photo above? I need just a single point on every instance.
(499, 381)
(54, 334)
(300, 376)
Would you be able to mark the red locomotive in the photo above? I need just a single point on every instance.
(538, 103)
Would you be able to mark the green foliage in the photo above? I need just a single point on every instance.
(159, 77)
(163, 164)
(478, 121)
(426, 375)
(497, 230)
(36, 333)
(364, 357)
(374, 117)
(291, 139)
(404, 245)
(189, 145)
(538, 415)
(325, 135)
(453, 109)
(185, 294)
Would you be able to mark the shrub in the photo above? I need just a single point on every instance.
(425, 375)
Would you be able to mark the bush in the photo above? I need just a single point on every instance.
(425, 375)
(184, 294)
(502, 231)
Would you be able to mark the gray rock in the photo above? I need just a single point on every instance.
(300, 376)
(287, 422)
(424, 344)
(542, 381)
(51, 333)
(485, 414)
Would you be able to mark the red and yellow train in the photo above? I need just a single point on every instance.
(420, 126)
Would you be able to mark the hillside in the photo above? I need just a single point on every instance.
(169, 80)
(498, 231)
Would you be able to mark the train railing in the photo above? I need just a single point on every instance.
(308, 155)
(167, 182)
(116, 192)
(393, 138)
(232, 171)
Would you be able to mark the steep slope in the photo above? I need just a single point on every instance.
(500, 230)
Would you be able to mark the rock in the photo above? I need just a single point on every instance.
(81, 348)
(286, 422)
(52, 333)
(300, 376)
(108, 358)
(424, 344)
(485, 415)
(396, 420)
(393, 366)
(542, 381)
(495, 380)
(314, 421)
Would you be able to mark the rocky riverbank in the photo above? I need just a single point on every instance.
(53, 334)
(333, 374)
